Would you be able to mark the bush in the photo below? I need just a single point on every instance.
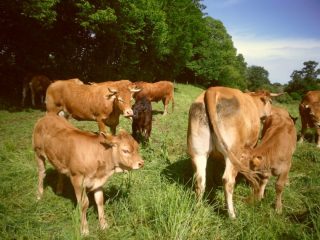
(296, 96)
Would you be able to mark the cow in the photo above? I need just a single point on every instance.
(142, 119)
(222, 121)
(309, 110)
(154, 92)
(101, 102)
(37, 86)
(273, 154)
(88, 159)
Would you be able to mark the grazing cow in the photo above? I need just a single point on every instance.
(154, 92)
(224, 121)
(142, 119)
(37, 85)
(88, 159)
(273, 154)
(101, 102)
(309, 109)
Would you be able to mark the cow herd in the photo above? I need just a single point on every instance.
(224, 125)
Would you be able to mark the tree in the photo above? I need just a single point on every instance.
(258, 78)
(305, 79)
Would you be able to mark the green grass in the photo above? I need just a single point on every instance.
(156, 202)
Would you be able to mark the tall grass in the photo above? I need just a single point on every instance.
(156, 202)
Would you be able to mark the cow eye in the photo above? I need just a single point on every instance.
(126, 151)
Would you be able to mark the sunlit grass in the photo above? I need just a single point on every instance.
(156, 202)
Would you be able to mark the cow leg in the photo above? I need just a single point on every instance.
(165, 102)
(101, 125)
(262, 187)
(318, 137)
(41, 175)
(24, 95)
(281, 181)
(199, 163)
(33, 96)
(82, 200)
(228, 178)
(98, 197)
(303, 130)
(60, 184)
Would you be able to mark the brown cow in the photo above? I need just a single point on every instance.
(309, 109)
(222, 121)
(273, 155)
(103, 102)
(37, 85)
(154, 92)
(88, 159)
(142, 120)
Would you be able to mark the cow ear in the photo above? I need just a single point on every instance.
(108, 140)
(256, 162)
(134, 89)
(111, 94)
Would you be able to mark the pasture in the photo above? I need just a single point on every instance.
(157, 201)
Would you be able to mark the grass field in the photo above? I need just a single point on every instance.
(156, 202)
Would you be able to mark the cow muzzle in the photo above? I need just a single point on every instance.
(138, 164)
(128, 113)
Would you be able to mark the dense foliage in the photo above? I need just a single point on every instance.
(304, 80)
(98, 40)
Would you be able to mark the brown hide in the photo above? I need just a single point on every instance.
(309, 110)
(88, 159)
(222, 121)
(37, 85)
(273, 155)
(154, 92)
(101, 102)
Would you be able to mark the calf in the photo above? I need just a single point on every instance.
(142, 119)
(273, 155)
(88, 159)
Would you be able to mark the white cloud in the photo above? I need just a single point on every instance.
(280, 57)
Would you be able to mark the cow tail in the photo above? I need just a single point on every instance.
(211, 100)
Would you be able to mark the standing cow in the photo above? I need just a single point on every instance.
(273, 154)
(88, 159)
(37, 86)
(222, 121)
(96, 102)
(142, 119)
(154, 92)
(309, 109)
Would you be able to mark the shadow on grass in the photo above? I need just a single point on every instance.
(182, 172)
(112, 194)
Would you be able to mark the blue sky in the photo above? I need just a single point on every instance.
(278, 35)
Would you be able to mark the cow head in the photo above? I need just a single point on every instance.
(313, 110)
(125, 151)
(263, 102)
(122, 99)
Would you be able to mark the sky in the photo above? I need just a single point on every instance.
(279, 35)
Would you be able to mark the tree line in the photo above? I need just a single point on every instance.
(99, 40)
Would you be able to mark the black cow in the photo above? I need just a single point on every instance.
(142, 119)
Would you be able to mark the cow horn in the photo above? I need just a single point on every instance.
(135, 89)
(112, 90)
